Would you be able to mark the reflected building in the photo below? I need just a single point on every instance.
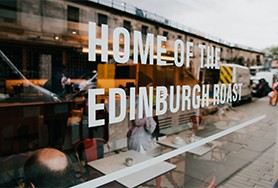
(41, 37)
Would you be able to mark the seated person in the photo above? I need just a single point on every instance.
(49, 167)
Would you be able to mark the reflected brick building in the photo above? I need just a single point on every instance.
(39, 35)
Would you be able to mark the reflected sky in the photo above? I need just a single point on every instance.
(246, 22)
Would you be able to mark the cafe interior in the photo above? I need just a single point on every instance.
(45, 77)
(40, 113)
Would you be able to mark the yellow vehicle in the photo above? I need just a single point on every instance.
(233, 73)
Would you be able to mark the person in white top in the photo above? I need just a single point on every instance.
(140, 133)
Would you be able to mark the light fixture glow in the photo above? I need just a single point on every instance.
(110, 52)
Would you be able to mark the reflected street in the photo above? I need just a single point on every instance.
(234, 153)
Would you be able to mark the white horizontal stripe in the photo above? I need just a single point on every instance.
(137, 167)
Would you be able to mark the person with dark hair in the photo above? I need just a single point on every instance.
(49, 167)
(55, 82)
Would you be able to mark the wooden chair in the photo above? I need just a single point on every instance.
(196, 122)
(87, 150)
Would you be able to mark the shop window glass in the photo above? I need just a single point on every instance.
(102, 19)
(165, 33)
(144, 30)
(127, 25)
(8, 10)
(46, 101)
(73, 19)
(73, 14)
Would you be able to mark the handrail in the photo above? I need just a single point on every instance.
(140, 166)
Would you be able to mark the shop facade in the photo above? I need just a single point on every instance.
(43, 41)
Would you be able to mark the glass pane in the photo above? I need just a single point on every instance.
(109, 94)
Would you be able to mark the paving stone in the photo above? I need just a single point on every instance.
(247, 175)
(252, 171)
(241, 178)
(270, 183)
(247, 164)
(236, 184)
(267, 177)
(258, 183)
(259, 186)
(243, 182)
(228, 185)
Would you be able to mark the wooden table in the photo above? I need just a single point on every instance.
(116, 162)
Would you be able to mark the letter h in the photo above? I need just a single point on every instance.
(93, 41)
